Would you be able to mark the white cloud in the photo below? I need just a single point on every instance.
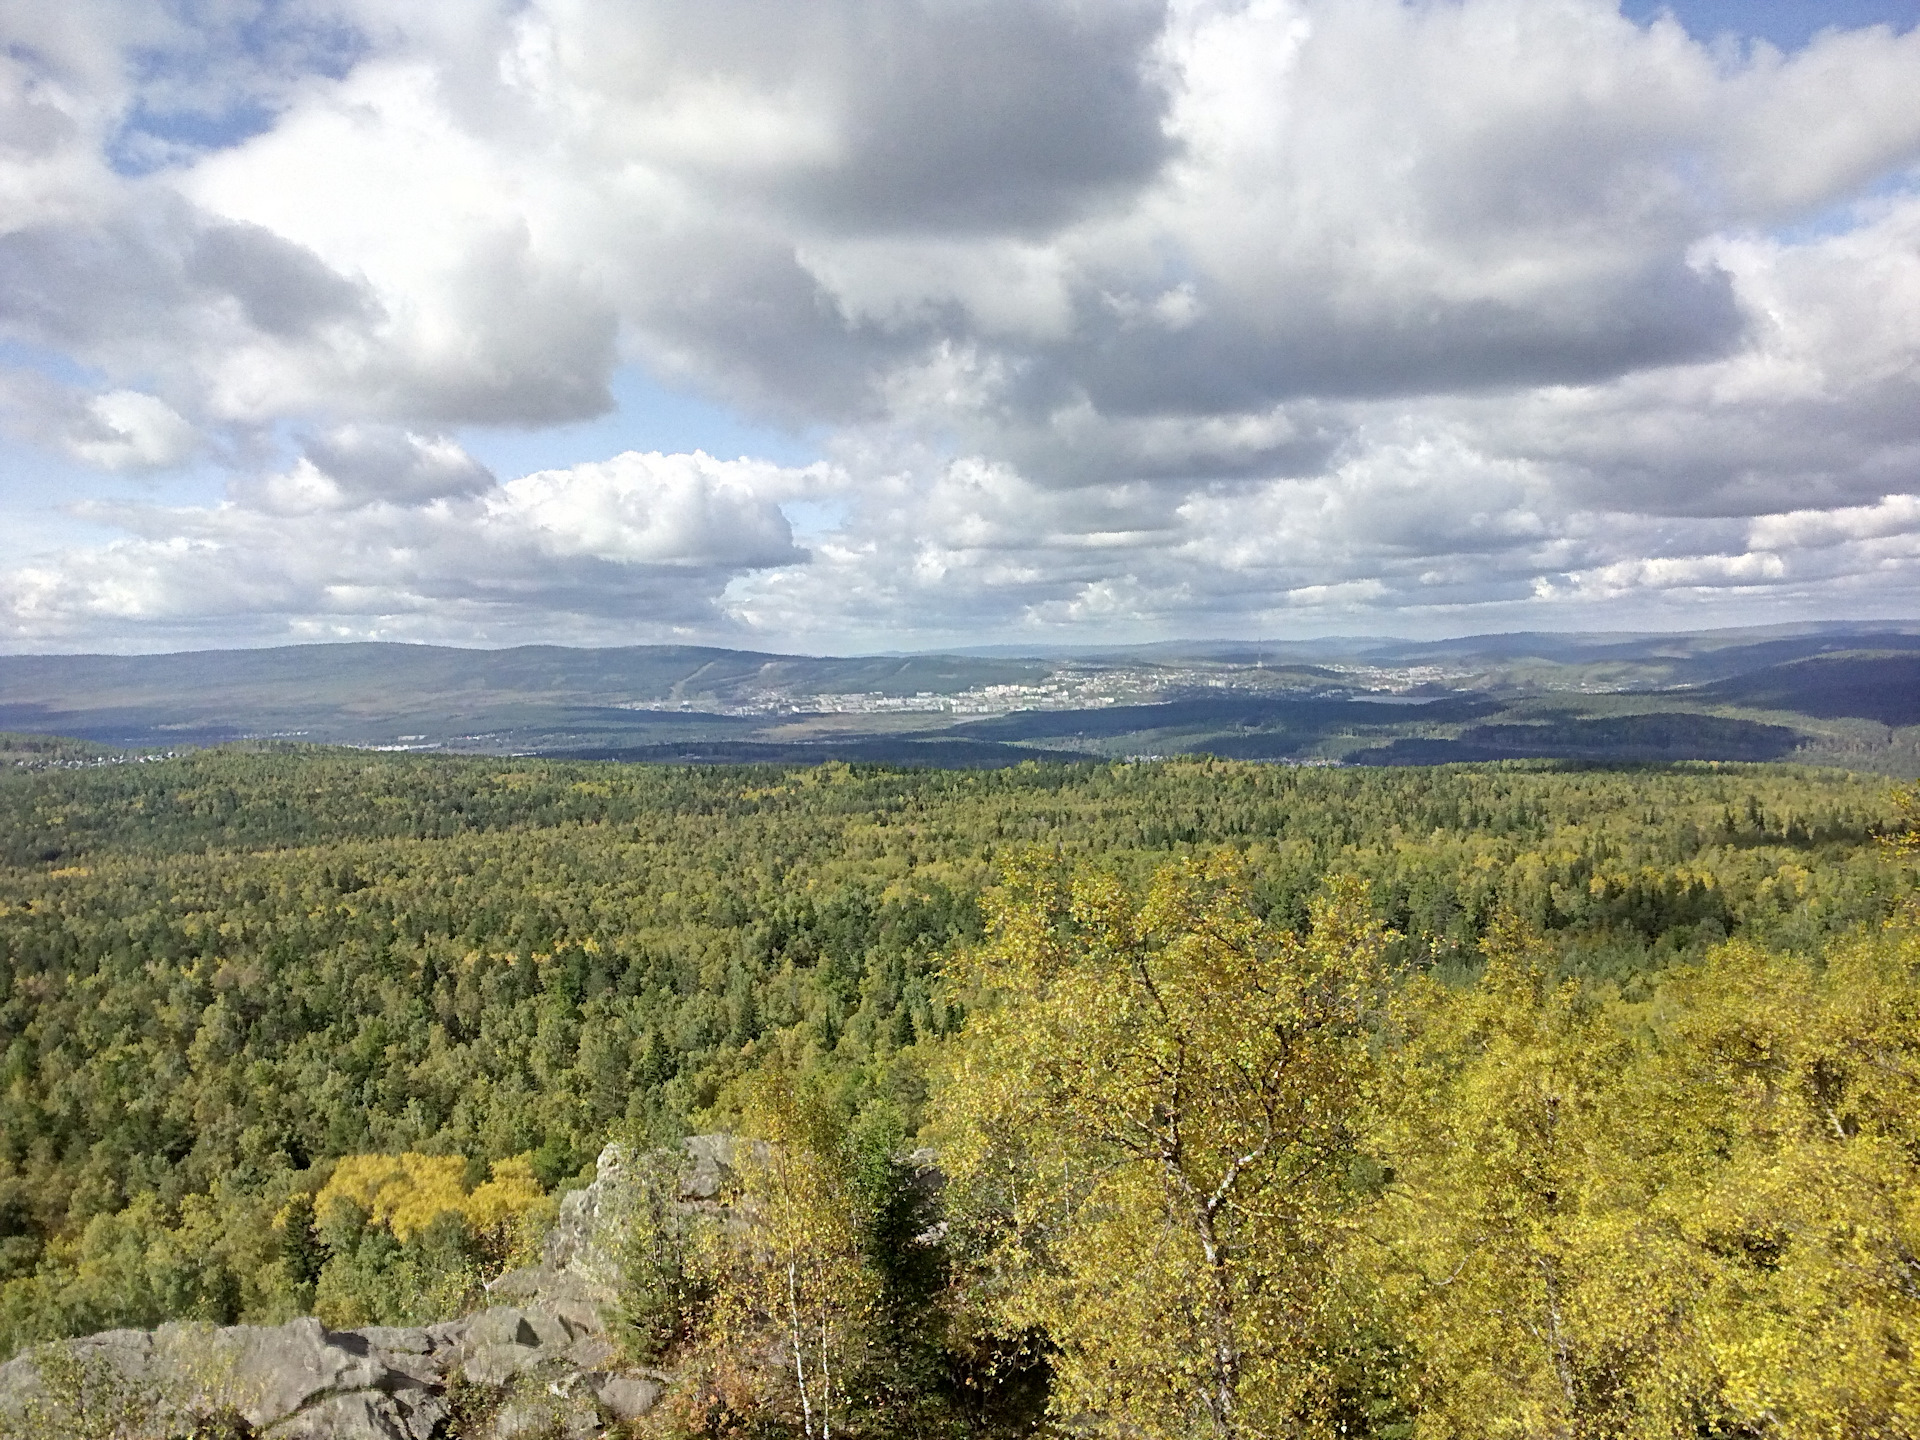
(134, 431)
(1816, 529)
(639, 543)
(683, 511)
(1193, 315)
(1806, 129)
(1680, 572)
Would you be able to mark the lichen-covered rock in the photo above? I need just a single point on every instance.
(361, 1413)
(302, 1381)
(584, 1245)
(541, 1352)
(625, 1397)
(387, 1385)
(579, 1273)
(296, 1380)
(712, 1162)
(501, 1344)
(547, 1413)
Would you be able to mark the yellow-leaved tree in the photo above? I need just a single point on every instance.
(1806, 1081)
(783, 1273)
(408, 1192)
(1149, 1128)
(1694, 1216)
(1545, 1295)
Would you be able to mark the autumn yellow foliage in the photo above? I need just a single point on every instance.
(406, 1193)
(1245, 1193)
(1152, 1107)
(1696, 1219)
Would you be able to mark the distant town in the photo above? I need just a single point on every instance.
(1065, 689)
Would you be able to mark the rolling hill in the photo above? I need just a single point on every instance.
(1832, 694)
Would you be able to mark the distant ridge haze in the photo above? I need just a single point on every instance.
(1773, 692)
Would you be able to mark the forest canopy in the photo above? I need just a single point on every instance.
(1522, 1098)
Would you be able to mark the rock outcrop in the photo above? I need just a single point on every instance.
(302, 1381)
(536, 1362)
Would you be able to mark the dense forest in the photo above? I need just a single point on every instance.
(1520, 1099)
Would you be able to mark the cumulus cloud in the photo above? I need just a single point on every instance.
(401, 535)
(133, 431)
(116, 430)
(1894, 515)
(674, 511)
(1147, 316)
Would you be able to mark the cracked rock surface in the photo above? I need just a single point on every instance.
(302, 1381)
(544, 1350)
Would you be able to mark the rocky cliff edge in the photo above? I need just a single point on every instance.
(539, 1361)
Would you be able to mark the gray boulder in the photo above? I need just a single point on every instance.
(578, 1276)
(625, 1397)
(301, 1381)
(296, 1380)
(542, 1348)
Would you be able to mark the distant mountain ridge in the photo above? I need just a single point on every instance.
(660, 672)
(372, 692)
(1828, 693)
(1882, 685)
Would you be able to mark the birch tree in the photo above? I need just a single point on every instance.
(794, 1268)
(1150, 1122)
(1545, 1296)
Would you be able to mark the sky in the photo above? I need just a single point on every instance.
(900, 324)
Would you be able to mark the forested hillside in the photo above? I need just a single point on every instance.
(1821, 695)
(226, 974)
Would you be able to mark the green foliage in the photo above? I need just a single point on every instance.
(211, 1257)
(1150, 1118)
(223, 974)
(91, 1394)
(1692, 1215)
(372, 1277)
(472, 1406)
(662, 1291)
(300, 1245)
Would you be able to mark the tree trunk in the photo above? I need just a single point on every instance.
(1222, 1396)
(799, 1347)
